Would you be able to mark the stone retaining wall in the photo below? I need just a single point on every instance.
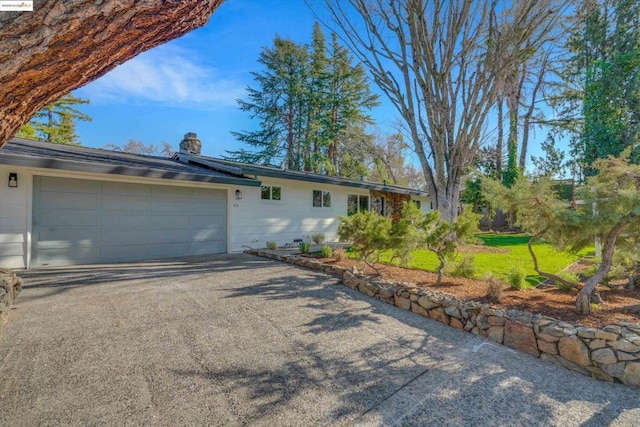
(610, 354)
(10, 287)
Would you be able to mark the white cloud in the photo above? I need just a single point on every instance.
(166, 75)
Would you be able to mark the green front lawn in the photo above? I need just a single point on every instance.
(513, 252)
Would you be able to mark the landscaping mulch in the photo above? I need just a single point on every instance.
(619, 305)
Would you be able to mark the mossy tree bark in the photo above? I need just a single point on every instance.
(65, 44)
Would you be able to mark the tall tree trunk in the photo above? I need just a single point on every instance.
(513, 105)
(500, 142)
(291, 155)
(583, 299)
(65, 44)
(443, 264)
(526, 123)
(49, 123)
(332, 151)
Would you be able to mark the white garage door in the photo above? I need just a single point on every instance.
(83, 221)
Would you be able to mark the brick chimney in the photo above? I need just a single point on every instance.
(190, 144)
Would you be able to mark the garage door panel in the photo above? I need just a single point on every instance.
(169, 236)
(118, 189)
(53, 184)
(68, 256)
(123, 203)
(123, 252)
(206, 194)
(123, 236)
(206, 221)
(202, 248)
(67, 237)
(165, 192)
(169, 206)
(57, 218)
(199, 210)
(168, 222)
(209, 234)
(168, 250)
(206, 205)
(128, 221)
(68, 201)
(81, 222)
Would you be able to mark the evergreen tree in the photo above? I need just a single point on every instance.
(308, 100)
(278, 104)
(316, 138)
(27, 131)
(56, 122)
(552, 163)
(603, 83)
(349, 96)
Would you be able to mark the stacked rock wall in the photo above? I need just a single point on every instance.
(611, 353)
(10, 287)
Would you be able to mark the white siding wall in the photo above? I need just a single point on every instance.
(14, 218)
(253, 221)
(425, 203)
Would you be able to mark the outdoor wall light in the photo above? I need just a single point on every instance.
(13, 180)
(238, 195)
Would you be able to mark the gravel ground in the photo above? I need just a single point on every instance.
(240, 340)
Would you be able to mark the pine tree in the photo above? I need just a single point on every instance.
(56, 122)
(277, 103)
(306, 99)
(602, 81)
(349, 97)
(316, 138)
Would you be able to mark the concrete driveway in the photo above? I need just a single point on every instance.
(240, 340)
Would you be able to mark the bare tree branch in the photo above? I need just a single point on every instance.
(442, 64)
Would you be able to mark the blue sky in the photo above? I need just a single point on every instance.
(191, 84)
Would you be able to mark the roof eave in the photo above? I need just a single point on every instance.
(331, 180)
(49, 163)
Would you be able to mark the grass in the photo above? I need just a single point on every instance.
(501, 264)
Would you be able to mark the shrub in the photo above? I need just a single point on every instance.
(465, 268)
(340, 254)
(327, 252)
(305, 247)
(272, 245)
(437, 235)
(369, 234)
(515, 277)
(494, 289)
(317, 238)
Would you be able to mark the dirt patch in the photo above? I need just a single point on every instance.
(619, 305)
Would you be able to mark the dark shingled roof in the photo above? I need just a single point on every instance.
(24, 152)
(248, 169)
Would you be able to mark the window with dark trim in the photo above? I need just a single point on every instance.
(418, 204)
(321, 199)
(357, 203)
(270, 193)
(326, 199)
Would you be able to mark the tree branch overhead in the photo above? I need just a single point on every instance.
(65, 44)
